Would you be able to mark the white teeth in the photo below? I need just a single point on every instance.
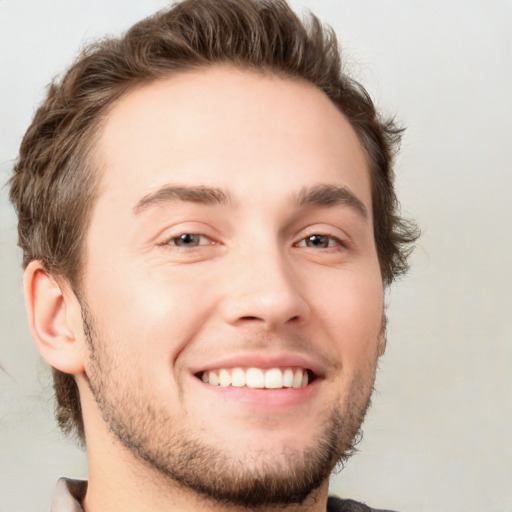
(224, 378)
(274, 378)
(297, 379)
(288, 378)
(213, 378)
(238, 378)
(254, 378)
(257, 378)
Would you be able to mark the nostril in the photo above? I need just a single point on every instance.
(258, 319)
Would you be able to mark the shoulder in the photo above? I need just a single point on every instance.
(68, 495)
(335, 504)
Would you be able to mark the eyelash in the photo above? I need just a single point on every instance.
(336, 240)
(183, 236)
(332, 241)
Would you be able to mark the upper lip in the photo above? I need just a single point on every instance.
(263, 360)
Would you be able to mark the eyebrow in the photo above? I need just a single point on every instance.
(194, 194)
(318, 195)
(330, 195)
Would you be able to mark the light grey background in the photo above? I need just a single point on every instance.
(439, 435)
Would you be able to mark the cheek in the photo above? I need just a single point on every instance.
(150, 315)
(351, 310)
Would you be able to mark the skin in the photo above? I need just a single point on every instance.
(254, 291)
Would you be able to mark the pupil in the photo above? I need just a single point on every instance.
(186, 239)
(317, 240)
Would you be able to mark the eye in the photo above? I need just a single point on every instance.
(189, 240)
(317, 241)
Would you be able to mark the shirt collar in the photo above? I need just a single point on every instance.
(68, 495)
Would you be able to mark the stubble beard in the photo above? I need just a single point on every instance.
(251, 481)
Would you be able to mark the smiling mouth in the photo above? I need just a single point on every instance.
(258, 378)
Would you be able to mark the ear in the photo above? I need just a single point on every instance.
(54, 317)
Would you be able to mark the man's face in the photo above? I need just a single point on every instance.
(232, 295)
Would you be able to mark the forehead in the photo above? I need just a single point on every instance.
(229, 128)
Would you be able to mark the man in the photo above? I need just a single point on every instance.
(208, 220)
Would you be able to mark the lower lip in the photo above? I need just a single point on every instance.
(264, 398)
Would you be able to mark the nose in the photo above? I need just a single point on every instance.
(263, 289)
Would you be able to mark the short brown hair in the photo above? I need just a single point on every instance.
(54, 182)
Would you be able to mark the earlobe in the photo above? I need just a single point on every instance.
(54, 319)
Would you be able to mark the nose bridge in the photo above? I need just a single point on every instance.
(263, 287)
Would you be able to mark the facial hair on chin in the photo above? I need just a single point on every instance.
(256, 481)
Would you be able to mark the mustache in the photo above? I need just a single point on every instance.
(266, 344)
